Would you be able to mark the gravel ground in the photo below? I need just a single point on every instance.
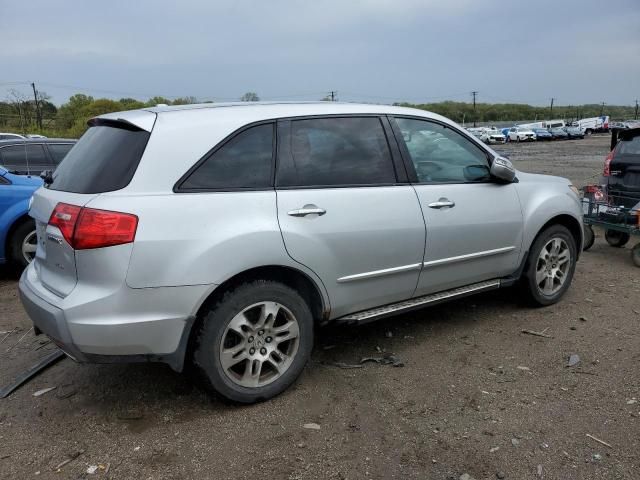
(475, 395)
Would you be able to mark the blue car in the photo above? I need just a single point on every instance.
(543, 134)
(17, 230)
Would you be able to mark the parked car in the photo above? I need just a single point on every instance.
(492, 136)
(521, 134)
(35, 135)
(10, 136)
(558, 134)
(17, 229)
(476, 131)
(574, 132)
(182, 233)
(33, 156)
(621, 175)
(542, 134)
(593, 124)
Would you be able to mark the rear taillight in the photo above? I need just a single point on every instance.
(607, 164)
(85, 228)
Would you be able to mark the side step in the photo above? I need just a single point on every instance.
(366, 316)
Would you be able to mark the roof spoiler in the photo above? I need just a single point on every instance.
(132, 120)
(618, 134)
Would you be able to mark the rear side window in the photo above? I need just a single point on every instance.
(336, 151)
(630, 147)
(245, 161)
(104, 159)
(23, 158)
(58, 151)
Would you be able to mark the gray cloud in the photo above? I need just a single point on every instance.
(370, 50)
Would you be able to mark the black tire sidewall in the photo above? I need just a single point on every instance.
(616, 239)
(15, 242)
(532, 292)
(206, 355)
(589, 238)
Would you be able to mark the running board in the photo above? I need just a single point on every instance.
(366, 316)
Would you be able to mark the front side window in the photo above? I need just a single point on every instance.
(336, 151)
(245, 161)
(441, 155)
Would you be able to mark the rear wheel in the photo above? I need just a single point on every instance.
(616, 239)
(550, 266)
(589, 237)
(23, 243)
(254, 342)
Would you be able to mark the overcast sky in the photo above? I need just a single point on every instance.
(578, 51)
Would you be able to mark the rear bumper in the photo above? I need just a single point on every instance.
(126, 325)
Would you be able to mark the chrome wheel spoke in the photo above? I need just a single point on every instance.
(230, 357)
(553, 264)
(286, 332)
(252, 370)
(548, 286)
(563, 257)
(240, 324)
(268, 314)
(541, 274)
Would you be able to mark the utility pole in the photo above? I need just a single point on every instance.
(474, 93)
(551, 109)
(35, 98)
(636, 116)
(602, 109)
(332, 94)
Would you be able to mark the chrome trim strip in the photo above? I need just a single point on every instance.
(419, 301)
(469, 256)
(379, 273)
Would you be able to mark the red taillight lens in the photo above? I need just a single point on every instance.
(85, 228)
(65, 216)
(607, 164)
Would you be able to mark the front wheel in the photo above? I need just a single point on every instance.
(23, 244)
(254, 342)
(616, 239)
(550, 266)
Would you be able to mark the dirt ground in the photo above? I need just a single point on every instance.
(475, 395)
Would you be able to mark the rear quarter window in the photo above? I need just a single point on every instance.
(104, 159)
(630, 147)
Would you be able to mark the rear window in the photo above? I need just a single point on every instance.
(630, 147)
(104, 159)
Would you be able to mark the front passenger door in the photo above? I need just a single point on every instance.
(474, 224)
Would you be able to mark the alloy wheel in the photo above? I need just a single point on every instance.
(29, 245)
(259, 344)
(552, 267)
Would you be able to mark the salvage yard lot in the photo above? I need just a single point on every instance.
(475, 395)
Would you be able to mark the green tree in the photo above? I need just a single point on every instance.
(250, 97)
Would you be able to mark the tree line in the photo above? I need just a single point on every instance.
(19, 114)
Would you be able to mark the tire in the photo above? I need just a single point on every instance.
(518, 139)
(589, 238)
(616, 239)
(635, 255)
(24, 234)
(588, 131)
(249, 309)
(545, 281)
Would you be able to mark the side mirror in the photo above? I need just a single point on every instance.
(502, 169)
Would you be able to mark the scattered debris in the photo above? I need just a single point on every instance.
(92, 469)
(346, 366)
(574, 359)
(388, 334)
(501, 475)
(466, 476)
(15, 344)
(494, 449)
(515, 442)
(520, 367)
(65, 391)
(386, 359)
(7, 335)
(599, 441)
(61, 464)
(540, 473)
(45, 362)
(632, 401)
(136, 449)
(583, 319)
(596, 457)
(537, 334)
(572, 327)
(43, 391)
(328, 347)
(42, 345)
(311, 426)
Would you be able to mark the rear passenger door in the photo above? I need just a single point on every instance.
(346, 211)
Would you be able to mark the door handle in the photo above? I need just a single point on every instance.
(442, 203)
(307, 210)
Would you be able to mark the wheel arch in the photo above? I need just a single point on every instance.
(570, 223)
(292, 277)
(15, 224)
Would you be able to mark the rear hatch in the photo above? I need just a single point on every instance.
(623, 181)
(104, 160)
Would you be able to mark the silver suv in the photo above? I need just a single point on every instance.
(222, 235)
